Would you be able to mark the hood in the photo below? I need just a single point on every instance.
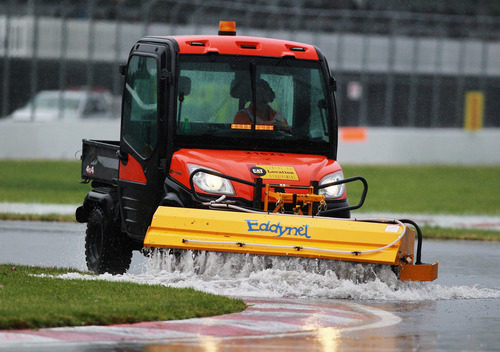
(281, 168)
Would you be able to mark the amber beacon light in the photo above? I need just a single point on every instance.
(227, 28)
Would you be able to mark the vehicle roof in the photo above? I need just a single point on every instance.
(243, 45)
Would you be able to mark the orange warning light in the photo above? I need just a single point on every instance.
(247, 126)
(264, 127)
(240, 126)
(227, 28)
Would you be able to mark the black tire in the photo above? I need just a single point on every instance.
(107, 249)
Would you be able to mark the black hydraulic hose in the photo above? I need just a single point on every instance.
(419, 239)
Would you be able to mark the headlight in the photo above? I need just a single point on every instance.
(210, 183)
(336, 191)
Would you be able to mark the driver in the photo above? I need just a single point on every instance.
(265, 114)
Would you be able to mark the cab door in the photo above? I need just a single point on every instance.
(140, 175)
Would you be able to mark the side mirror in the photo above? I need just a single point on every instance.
(333, 84)
(184, 85)
(122, 156)
(122, 69)
(322, 104)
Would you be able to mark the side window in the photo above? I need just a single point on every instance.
(140, 106)
(318, 128)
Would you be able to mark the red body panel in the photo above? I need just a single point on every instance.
(239, 45)
(298, 169)
(132, 171)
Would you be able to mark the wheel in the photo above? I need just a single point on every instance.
(107, 249)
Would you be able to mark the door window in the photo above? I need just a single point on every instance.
(140, 106)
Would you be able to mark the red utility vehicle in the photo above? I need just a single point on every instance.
(214, 121)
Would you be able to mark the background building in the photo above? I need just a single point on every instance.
(397, 63)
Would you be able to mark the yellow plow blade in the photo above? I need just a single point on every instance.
(284, 235)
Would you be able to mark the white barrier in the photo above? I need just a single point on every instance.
(412, 146)
(52, 140)
(62, 140)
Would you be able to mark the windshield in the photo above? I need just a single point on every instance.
(258, 103)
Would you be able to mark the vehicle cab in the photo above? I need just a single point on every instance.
(197, 124)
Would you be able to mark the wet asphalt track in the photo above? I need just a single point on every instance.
(280, 324)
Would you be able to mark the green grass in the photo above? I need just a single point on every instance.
(56, 182)
(37, 217)
(460, 234)
(409, 189)
(428, 189)
(29, 301)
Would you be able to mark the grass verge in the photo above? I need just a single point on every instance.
(402, 189)
(31, 301)
(41, 181)
(37, 217)
(460, 234)
(428, 189)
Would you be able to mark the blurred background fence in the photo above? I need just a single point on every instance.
(398, 63)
